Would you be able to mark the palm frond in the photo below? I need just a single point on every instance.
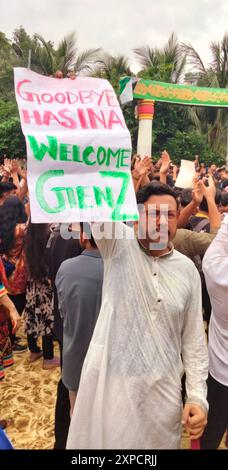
(178, 72)
(120, 63)
(216, 56)
(192, 116)
(146, 56)
(165, 64)
(49, 59)
(171, 49)
(86, 60)
(66, 53)
(193, 57)
(213, 79)
(224, 67)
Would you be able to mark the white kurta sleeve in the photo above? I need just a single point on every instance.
(215, 262)
(215, 267)
(109, 236)
(194, 348)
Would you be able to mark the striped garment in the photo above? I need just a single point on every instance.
(3, 290)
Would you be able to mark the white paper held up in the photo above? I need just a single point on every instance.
(186, 175)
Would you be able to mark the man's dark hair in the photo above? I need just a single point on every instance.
(222, 168)
(224, 199)
(224, 184)
(37, 259)
(185, 197)
(203, 205)
(85, 227)
(155, 189)
(6, 187)
(12, 212)
(155, 178)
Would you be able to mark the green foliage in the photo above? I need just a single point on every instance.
(8, 109)
(173, 131)
(132, 123)
(22, 40)
(12, 141)
(112, 68)
(160, 73)
(166, 64)
(211, 122)
(65, 57)
(185, 145)
(5, 49)
(7, 57)
(44, 59)
(168, 119)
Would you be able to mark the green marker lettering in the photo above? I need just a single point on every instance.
(100, 158)
(86, 153)
(39, 150)
(76, 154)
(40, 192)
(80, 190)
(116, 215)
(63, 152)
(116, 154)
(123, 157)
(70, 195)
(107, 197)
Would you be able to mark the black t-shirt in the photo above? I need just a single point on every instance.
(59, 251)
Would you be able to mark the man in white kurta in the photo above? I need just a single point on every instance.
(215, 267)
(149, 331)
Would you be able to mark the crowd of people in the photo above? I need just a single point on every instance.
(134, 313)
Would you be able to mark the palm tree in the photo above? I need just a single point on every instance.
(166, 64)
(66, 56)
(112, 68)
(7, 60)
(212, 122)
(216, 74)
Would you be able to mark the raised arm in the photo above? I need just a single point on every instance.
(197, 196)
(214, 214)
(215, 262)
(140, 172)
(165, 164)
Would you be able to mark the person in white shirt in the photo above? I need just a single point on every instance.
(149, 332)
(215, 267)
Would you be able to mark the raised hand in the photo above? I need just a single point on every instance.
(210, 190)
(14, 166)
(142, 167)
(165, 162)
(197, 193)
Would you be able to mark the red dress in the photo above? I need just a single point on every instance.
(14, 284)
(6, 357)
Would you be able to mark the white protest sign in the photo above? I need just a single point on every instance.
(78, 149)
(186, 175)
